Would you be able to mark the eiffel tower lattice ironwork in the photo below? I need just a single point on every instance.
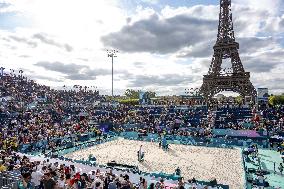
(235, 78)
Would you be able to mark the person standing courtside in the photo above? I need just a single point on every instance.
(140, 154)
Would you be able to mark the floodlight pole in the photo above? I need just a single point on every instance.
(112, 54)
(112, 75)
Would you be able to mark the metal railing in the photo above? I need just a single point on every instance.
(9, 180)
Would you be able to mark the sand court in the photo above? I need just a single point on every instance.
(200, 162)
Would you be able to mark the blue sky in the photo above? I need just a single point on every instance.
(158, 5)
(11, 20)
(164, 45)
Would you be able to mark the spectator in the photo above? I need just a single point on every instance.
(61, 182)
(2, 166)
(281, 168)
(151, 186)
(48, 182)
(25, 182)
(36, 178)
(177, 171)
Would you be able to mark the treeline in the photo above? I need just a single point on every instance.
(132, 96)
(275, 100)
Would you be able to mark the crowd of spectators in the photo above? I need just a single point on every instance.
(48, 175)
(156, 119)
(30, 112)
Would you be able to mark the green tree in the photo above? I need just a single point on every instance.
(271, 100)
(134, 94)
(151, 94)
(275, 100)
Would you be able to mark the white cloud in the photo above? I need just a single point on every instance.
(271, 6)
(197, 11)
(81, 24)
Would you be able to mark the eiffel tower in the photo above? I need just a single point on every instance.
(235, 78)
